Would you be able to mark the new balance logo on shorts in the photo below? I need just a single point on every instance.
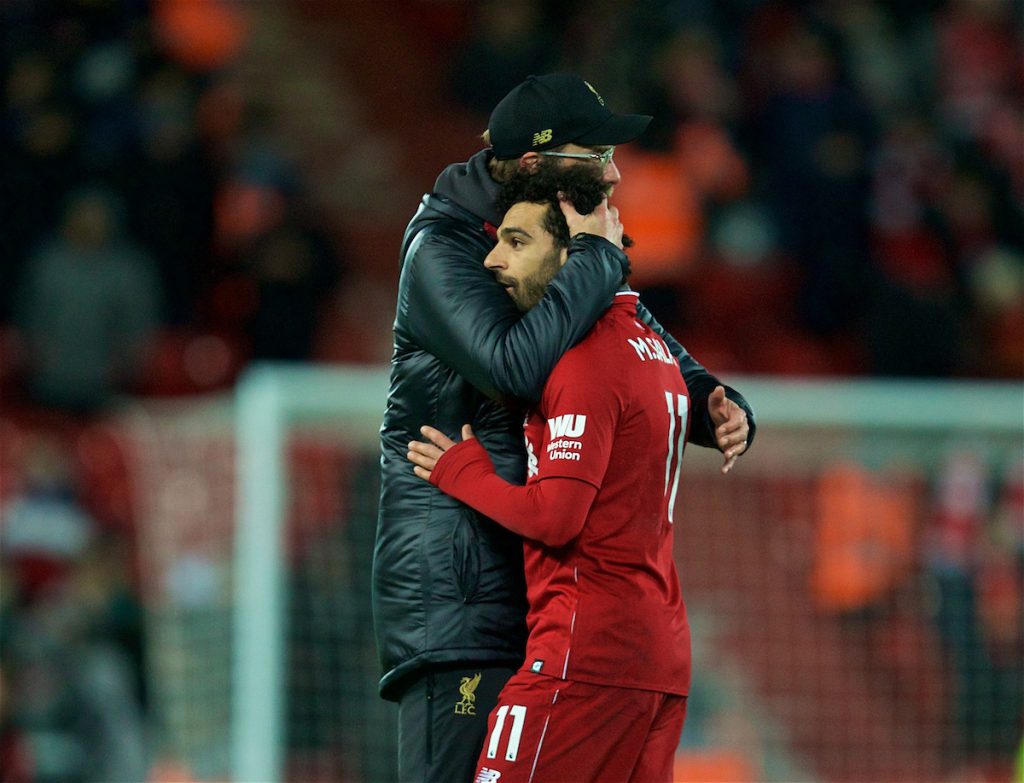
(487, 775)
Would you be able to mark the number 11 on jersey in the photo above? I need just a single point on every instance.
(678, 407)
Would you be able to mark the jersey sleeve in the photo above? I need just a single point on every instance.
(552, 512)
(582, 411)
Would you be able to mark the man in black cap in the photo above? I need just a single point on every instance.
(448, 587)
(555, 119)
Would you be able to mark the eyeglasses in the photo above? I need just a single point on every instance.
(602, 158)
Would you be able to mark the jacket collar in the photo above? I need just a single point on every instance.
(469, 187)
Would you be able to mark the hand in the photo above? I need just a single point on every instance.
(731, 428)
(425, 455)
(603, 221)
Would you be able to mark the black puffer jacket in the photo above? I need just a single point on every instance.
(447, 582)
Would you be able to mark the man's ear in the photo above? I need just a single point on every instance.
(529, 161)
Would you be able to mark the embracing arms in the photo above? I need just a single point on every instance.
(455, 309)
(551, 511)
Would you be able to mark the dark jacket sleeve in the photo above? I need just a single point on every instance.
(457, 312)
(700, 384)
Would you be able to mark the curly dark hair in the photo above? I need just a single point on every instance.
(579, 184)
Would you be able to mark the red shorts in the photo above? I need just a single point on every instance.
(546, 730)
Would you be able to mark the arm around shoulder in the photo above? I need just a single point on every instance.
(456, 311)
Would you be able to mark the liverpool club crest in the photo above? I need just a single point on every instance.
(468, 690)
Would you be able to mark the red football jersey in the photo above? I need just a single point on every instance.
(606, 608)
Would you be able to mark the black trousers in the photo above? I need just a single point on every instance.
(442, 721)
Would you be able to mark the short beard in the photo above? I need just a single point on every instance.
(528, 292)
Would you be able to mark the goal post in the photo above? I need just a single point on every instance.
(268, 399)
(257, 514)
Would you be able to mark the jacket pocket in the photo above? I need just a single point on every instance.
(466, 556)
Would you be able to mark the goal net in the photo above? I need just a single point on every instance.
(854, 585)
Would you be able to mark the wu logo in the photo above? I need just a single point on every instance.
(468, 690)
(542, 137)
(570, 425)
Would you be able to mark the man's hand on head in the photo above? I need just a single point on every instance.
(603, 221)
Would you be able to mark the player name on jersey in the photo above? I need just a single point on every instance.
(651, 348)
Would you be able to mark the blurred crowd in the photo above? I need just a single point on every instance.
(156, 236)
(828, 187)
(924, 574)
(72, 686)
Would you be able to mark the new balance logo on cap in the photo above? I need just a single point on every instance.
(554, 109)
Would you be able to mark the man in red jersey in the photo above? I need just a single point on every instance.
(602, 692)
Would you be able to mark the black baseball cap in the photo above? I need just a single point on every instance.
(554, 109)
